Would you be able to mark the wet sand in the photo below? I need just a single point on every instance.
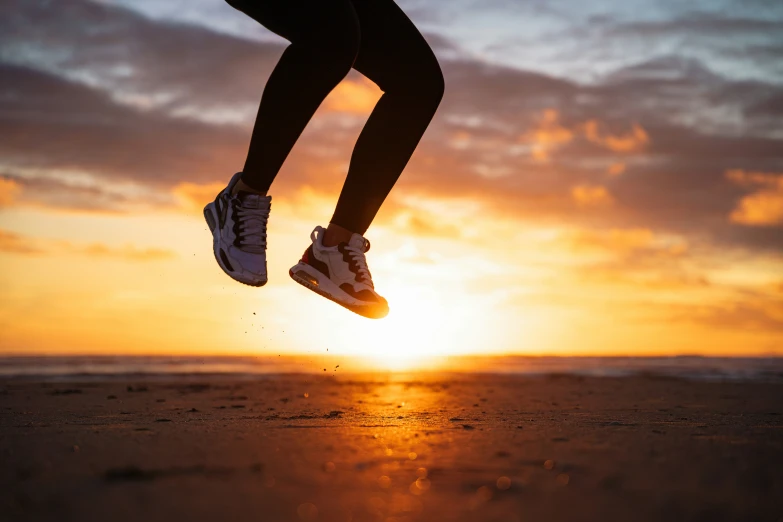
(403, 448)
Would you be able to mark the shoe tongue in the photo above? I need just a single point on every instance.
(250, 200)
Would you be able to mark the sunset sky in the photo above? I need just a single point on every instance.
(601, 178)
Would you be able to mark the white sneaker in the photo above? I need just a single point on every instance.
(340, 273)
(238, 225)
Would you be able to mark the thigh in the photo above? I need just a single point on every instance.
(391, 46)
(301, 20)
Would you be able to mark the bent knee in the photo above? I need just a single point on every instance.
(434, 82)
(426, 82)
(334, 46)
(421, 79)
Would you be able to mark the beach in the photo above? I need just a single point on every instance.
(391, 448)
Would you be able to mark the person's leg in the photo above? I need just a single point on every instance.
(324, 36)
(395, 56)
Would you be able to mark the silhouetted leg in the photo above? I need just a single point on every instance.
(324, 36)
(395, 56)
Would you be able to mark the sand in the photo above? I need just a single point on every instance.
(401, 448)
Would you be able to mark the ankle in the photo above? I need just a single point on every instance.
(335, 234)
(241, 186)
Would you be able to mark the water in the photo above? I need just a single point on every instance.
(108, 367)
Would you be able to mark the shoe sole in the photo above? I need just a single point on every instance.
(212, 223)
(313, 280)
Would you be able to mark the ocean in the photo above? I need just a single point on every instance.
(63, 368)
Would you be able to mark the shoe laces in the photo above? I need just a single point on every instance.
(356, 251)
(251, 214)
(356, 254)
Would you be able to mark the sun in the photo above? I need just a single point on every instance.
(423, 326)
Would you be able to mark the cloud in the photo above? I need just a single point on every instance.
(140, 62)
(420, 223)
(754, 179)
(195, 196)
(759, 313)
(631, 142)
(702, 23)
(9, 190)
(127, 252)
(615, 169)
(637, 258)
(13, 243)
(548, 136)
(742, 41)
(759, 209)
(642, 243)
(591, 196)
(763, 207)
(142, 106)
(770, 105)
(82, 192)
(49, 122)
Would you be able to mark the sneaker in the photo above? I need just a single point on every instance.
(340, 273)
(238, 225)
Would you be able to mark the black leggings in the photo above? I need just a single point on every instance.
(328, 38)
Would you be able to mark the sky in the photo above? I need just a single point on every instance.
(601, 178)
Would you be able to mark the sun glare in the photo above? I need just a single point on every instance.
(422, 327)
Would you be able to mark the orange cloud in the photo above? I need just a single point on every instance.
(128, 252)
(9, 189)
(550, 130)
(763, 207)
(636, 140)
(355, 97)
(754, 179)
(460, 139)
(629, 240)
(635, 257)
(758, 312)
(615, 169)
(591, 196)
(549, 135)
(621, 239)
(13, 243)
(760, 209)
(194, 195)
(420, 223)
